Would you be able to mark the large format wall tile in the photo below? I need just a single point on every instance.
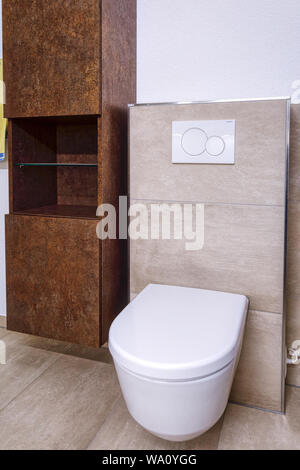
(293, 333)
(258, 377)
(293, 251)
(293, 376)
(242, 253)
(294, 176)
(258, 176)
(244, 223)
(293, 266)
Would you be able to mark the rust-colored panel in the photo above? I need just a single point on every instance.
(53, 278)
(51, 53)
(118, 90)
(120, 16)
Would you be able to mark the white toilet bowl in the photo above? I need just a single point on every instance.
(175, 350)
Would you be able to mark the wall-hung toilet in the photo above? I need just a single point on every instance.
(175, 350)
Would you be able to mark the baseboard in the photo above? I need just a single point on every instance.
(2, 321)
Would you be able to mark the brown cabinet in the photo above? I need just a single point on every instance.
(53, 278)
(70, 72)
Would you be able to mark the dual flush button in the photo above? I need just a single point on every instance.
(203, 141)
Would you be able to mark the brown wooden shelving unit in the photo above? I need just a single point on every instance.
(70, 71)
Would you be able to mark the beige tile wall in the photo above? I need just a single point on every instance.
(293, 259)
(258, 381)
(244, 225)
(242, 253)
(256, 178)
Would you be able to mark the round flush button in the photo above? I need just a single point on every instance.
(194, 141)
(215, 146)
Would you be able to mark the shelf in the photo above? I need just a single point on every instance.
(21, 165)
(56, 210)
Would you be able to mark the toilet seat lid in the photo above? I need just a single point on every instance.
(178, 333)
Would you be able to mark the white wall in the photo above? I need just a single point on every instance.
(213, 49)
(190, 50)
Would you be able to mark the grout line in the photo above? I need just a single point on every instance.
(256, 408)
(292, 385)
(265, 311)
(109, 414)
(204, 202)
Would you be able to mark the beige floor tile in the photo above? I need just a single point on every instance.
(95, 354)
(246, 428)
(21, 339)
(24, 365)
(258, 377)
(3, 332)
(121, 432)
(2, 321)
(242, 253)
(258, 176)
(63, 409)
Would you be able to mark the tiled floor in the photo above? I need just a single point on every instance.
(54, 395)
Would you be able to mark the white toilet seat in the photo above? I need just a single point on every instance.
(176, 333)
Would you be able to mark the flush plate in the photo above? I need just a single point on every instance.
(203, 141)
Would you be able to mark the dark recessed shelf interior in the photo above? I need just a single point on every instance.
(23, 164)
(58, 210)
(55, 166)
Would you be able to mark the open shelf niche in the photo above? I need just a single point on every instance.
(55, 166)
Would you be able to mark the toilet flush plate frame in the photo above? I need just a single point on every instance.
(209, 142)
